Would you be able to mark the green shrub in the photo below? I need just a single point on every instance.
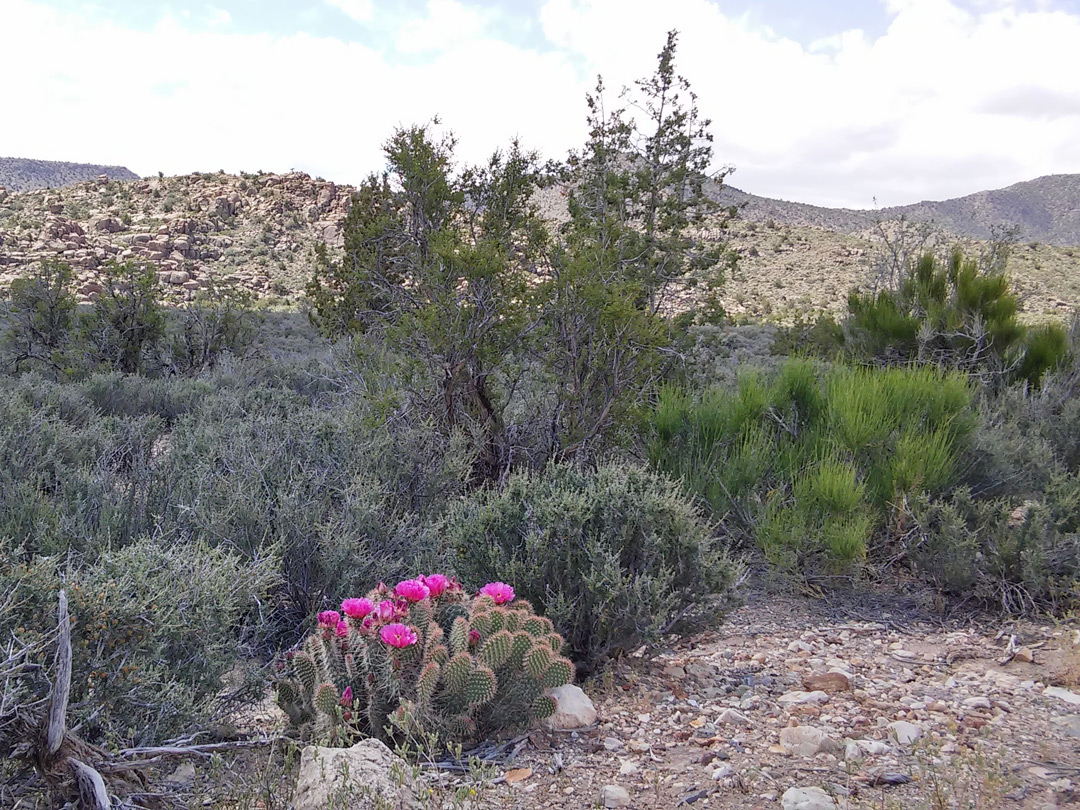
(613, 557)
(815, 462)
(221, 320)
(126, 321)
(41, 315)
(424, 660)
(960, 314)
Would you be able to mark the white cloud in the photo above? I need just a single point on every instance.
(448, 24)
(359, 10)
(946, 102)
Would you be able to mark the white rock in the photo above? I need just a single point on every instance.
(733, 718)
(722, 771)
(858, 749)
(614, 796)
(628, 768)
(1063, 694)
(367, 776)
(803, 698)
(806, 741)
(977, 703)
(574, 709)
(811, 798)
(906, 733)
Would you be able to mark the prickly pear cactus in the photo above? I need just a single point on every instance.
(424, 657)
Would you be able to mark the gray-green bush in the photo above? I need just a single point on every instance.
(613, 557)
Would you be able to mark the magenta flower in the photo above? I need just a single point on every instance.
(499, 591)
(414, 590)
(386, 610)
(436, 583)
(329, 618)
(474, 638)
(346, 696)
(398, 635)
(357, 608)
(342, 629)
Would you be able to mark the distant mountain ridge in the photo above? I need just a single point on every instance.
(1047, 209)
(24, 174)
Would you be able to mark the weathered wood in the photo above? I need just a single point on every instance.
(92, 792)
(58, 701)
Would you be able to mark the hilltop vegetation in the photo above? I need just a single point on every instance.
(22, 174)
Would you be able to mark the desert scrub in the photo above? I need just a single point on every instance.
(614, 557)
(423, 659)
(155, 626)
(815, 464)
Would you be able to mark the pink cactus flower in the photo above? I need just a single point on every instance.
(386, 610)
(398, 635)
(357, 608)
(329, 618)
(342, 629)
(346, 696)
(436, 583)
(474, 638)
(499, 591)
(414, 590)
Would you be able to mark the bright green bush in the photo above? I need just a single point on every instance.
(815, 462)
(958, 314)
(613, 557)
(424, 660)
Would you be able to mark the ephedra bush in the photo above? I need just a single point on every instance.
(817, 466)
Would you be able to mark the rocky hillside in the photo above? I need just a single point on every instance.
(1046, 209)
(260, 230)
(20, 174)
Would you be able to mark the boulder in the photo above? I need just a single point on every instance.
(574, 709)
(365, 777)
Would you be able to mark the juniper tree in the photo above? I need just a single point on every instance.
(438, 262)
(636, 196)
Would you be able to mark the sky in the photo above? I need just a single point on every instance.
(850, 103)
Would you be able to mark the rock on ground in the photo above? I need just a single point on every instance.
(574, 709)
(811, 798)
(368, 776)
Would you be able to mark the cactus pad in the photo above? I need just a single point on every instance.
(427, 683)
(537, 660)
(543, 706)
(459, 635)
(326, 699)
(560, 672)
(497, 649)
(456, 673)
(479, 686)
(304, 668)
